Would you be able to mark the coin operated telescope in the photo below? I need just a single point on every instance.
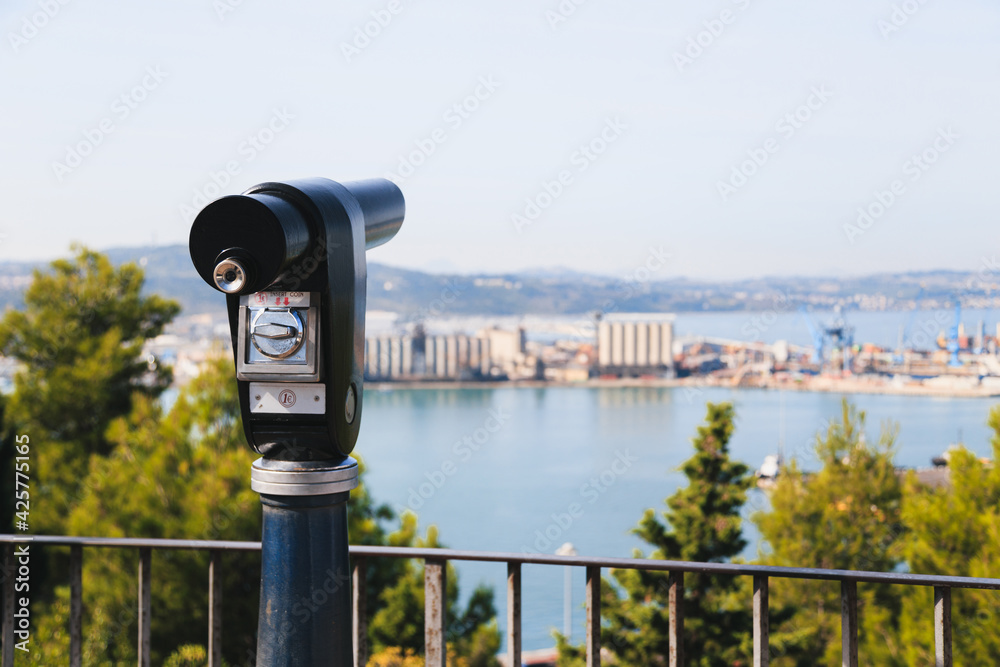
(290, 258)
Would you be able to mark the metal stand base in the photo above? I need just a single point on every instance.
(305, 592)
(303, 478)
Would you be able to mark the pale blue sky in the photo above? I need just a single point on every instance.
(676, 132)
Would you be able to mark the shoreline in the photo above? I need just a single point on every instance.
(816, 385)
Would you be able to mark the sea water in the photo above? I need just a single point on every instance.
(530, 469)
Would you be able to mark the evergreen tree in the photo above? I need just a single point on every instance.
(846, 516)
(702, 524)
(107, 461)
(186, 475)
(80, 338)
(8, 453)
(181, 475)
(398, 627)
(955, 530)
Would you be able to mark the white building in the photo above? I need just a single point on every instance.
(635, 343)
(455, 356)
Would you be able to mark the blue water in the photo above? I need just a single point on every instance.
(541, 467)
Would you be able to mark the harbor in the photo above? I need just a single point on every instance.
(572, 435)
(933, 357)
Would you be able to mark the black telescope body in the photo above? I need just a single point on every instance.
(291, 259)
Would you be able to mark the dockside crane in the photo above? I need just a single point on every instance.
(838, 332)
(841, 336)
(953, 342)
(904, 333)
(818, 340)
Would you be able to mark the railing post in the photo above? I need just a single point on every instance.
(435, 603)
(9, 569)
(360, 590)
(593, 616)
(761, 623)
(215, 609)
(75, 606)
(145, 602)
(514, 614)
(942, 626)
(676, 608)
(849, 622)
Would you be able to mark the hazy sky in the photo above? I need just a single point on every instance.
(738, 136)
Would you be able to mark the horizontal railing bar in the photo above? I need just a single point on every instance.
(684, 566)
(132, 542)
(902, 578)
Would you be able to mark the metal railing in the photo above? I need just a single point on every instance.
(435, 585)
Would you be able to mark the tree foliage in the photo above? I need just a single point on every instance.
(80, 338)
(955, 530)
(846, 517)
(471, 633)
(701, 523)
(109, 460)
(185, 475)
(182, 475)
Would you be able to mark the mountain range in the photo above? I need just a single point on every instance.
(417, 294)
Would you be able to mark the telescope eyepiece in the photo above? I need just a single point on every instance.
(230, 276)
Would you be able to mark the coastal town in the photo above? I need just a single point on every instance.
(624, 349)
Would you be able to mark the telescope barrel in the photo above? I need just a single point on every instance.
(383, 206)
(242, 244)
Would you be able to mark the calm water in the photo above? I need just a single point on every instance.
(530, 469)
(547, 466)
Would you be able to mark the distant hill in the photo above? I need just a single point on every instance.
(417, 294)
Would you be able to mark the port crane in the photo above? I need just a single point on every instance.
(838, 332)
(817, 336)
(841, 336)
(954, 344)
(904, 333)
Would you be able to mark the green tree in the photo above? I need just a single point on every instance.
(185, 475)
(188, 656)
(702, 524)
(472, 633)
(80, 338)
(107, 461)
(955, 530)
(846, 516)
(180, 475)
(366, 525)
(8, 482)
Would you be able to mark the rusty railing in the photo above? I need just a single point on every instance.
(435, 585)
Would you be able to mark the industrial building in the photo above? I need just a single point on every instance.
(635, 344)
(491, 353)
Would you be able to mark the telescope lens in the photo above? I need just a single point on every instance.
(230, 276)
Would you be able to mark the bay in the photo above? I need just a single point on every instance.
(528, 469)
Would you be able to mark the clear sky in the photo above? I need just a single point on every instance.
(740, 137)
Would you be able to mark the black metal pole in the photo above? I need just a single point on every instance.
(305, 595)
